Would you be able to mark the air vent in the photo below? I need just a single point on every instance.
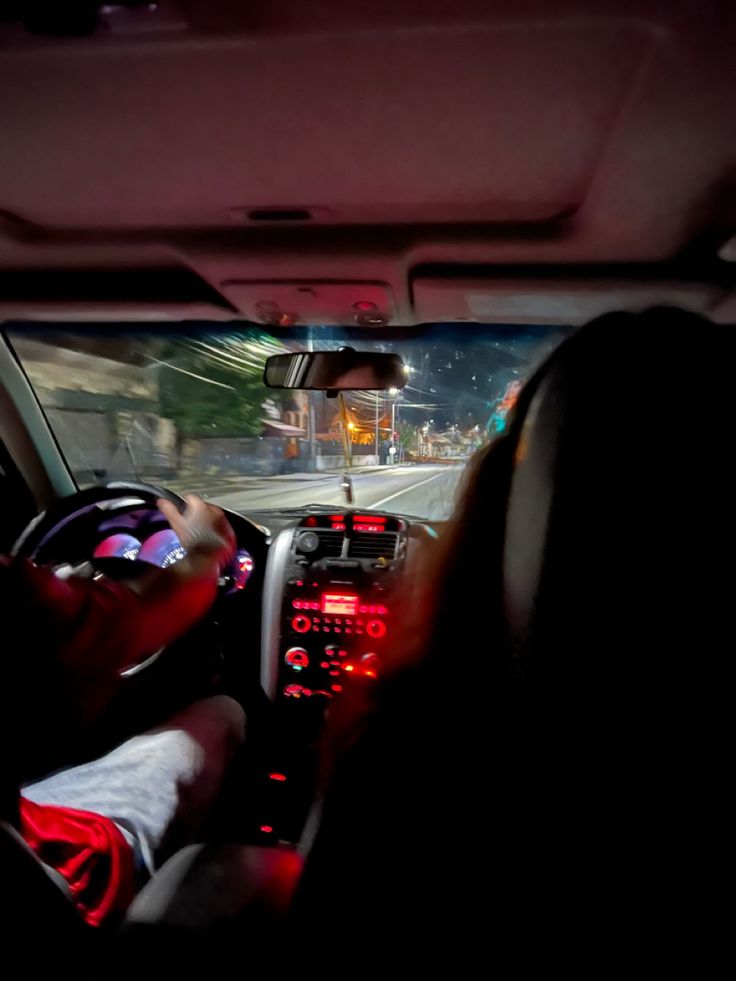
(330, 542)
(370, 545)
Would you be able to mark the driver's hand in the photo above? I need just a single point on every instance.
(202, 529)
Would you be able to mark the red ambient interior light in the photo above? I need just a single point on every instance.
(371, 523)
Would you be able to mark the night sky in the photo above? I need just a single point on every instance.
(459, 375)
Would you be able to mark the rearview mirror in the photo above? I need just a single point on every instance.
(341, 370)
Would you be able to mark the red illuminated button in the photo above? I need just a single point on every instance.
(297, 658)
(301, 624)
(382, 610)
(375, 628)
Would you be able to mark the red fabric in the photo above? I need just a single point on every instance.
(88, 851)
(73, 638)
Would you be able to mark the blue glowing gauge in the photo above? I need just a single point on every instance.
(177, 552)
(162, 549)
(118, 546)
(243, 566)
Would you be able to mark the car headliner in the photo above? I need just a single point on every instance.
(447, 155)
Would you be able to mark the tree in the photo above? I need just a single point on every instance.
(407, 435)
(205, 397)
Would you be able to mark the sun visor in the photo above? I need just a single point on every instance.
(547, 301)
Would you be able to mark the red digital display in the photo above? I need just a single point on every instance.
(338, 526)
(368, 527)
(339, 604)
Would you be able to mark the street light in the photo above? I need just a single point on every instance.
(378, 452)
(394, 393)
(351, 428)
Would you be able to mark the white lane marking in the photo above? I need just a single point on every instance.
(411, 487)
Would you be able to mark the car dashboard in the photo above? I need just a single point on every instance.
(319, 591)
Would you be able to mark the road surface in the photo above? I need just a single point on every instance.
(422, 490)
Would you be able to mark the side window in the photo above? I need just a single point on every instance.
(16, 501)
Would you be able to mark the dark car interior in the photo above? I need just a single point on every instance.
(555, 795)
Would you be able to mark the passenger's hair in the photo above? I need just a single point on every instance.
(554, 791)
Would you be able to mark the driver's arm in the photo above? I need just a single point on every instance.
(173, 599)
(83, 632)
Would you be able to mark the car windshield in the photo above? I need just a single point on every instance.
(185, 407)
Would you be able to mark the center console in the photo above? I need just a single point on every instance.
(328, 623)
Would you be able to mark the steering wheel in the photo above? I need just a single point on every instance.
(37, 540)
(34, 541)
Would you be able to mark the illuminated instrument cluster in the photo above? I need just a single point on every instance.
(242, 570)
(163, 549)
